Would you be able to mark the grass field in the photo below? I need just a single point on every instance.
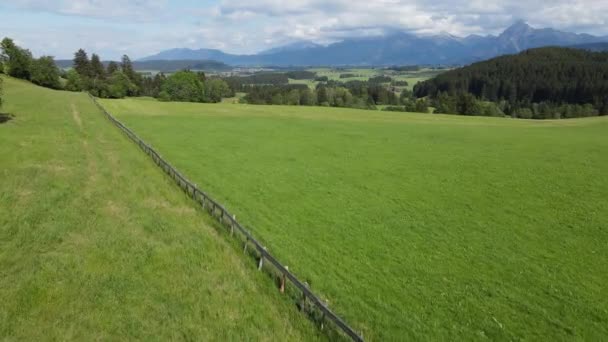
(96, 243)
(363, 74)
(415, 226)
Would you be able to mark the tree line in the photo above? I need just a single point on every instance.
(116, 80)
(352, 94)
(544, 83)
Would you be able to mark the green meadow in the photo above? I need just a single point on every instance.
(413, 226)
(96, 243)
(364, 74)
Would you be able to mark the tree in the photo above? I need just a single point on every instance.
(45, 72)
(445, 104)
(82, 65)
(119, 85)
(421, 106)
(1, 92)
(17, 61)
(74, 81)
(97, 86)
(112, 67)
(466, 104)
(127, 69)
(215, 90)
(308, 97)
(322, 97)
(97, 69)
(184, 86)
(277, 99)
(293, 98)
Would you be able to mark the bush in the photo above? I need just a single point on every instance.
(395, 109)
(164, 96)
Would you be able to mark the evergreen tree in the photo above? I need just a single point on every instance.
(97, 69)
(129, 71)
(112, 67)
(82, 65)
(97, 86)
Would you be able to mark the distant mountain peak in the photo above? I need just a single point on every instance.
(394, 48)
(518, 29)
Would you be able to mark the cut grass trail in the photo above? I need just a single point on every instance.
(414, 226)
(96, 243)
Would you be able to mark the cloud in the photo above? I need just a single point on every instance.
(140, 10)
(329, 19)
(249, 26)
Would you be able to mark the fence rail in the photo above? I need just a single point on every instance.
(224, 216)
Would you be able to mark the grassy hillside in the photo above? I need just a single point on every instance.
(97, 244)
(414, 226)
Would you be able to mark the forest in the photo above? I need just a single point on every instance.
(543, 83)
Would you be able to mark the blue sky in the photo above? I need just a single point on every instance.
(140, 28)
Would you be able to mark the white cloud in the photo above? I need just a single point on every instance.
(140, 10)
(248, 26)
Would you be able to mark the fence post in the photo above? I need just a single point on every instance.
(261, 259)
(303, 300)
(282, 288)
(232, 225)
(245, 247)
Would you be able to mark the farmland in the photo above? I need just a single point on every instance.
(96, 243)
(364, 74)
(414, 226)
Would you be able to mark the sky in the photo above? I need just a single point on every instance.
(140, 28)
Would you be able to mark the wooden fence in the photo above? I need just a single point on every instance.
(217, 210)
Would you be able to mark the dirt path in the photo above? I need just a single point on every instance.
(92, 169)
(76, 116)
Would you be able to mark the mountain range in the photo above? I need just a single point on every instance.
(394, 49)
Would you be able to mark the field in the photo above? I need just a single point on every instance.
(96, 243)
(363, 74)
(414, 226)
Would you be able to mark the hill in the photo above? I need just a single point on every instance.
(97, 243)
(543, 75)
(595, 47)
(395, 49)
